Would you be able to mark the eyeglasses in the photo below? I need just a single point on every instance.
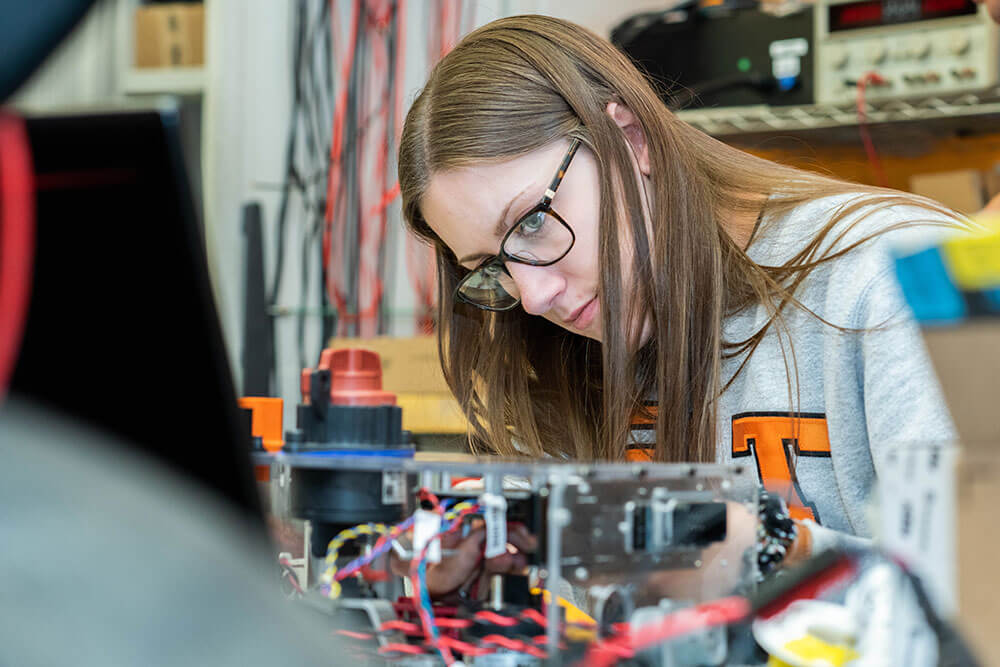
(538, 238)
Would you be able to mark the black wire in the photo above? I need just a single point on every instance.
(761, 83)
(328, 317)
(349, 169)
(384, 273)
(315, 164)
(280, 223)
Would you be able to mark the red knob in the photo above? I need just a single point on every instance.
(355, 377)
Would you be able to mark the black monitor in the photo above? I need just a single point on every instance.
(122, 330)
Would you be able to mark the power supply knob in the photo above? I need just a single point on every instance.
(876, 52)
(838, 57)
(959, 43)
(920, 48)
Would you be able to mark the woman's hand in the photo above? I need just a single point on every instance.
(463, 564)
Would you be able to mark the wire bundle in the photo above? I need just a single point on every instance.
(329, 582)
(344, 125)
(366, 122)
(418, 577)
(445, 22)
(331, 577)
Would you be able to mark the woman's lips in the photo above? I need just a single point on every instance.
(585, 315)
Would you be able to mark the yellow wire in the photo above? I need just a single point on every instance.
(343, 537)
(333, 552)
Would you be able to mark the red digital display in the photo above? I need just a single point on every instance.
(945, 7)
(860, 13)
(870, 13)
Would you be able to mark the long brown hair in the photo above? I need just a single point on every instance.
(514, 86)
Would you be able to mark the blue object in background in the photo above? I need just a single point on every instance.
(929, 289)
(992, 298)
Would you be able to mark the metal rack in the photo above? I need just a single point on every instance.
(972, 111)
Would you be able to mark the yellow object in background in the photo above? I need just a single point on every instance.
(810, 649)
(431, 413)
(574, 615)
(973, 261)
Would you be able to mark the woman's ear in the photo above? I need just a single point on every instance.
(629, 124)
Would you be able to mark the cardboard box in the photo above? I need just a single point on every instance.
(170, 35)
(978, 496)
(409, 365)
(966, 358)
(962, 189)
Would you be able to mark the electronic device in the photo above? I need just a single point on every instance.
(920, 48)
(734, 58)
(557, 563)
(613, 541)
(122, 330)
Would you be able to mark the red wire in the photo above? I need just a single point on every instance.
(496, 619)
(412, 649)
(403, 626)
(400, 68)
(725, 611)
(465, 648)
(17, 240)
(336, 149)
(445, 25)
(514, 645)
(536, 616)
(422, 613)
(873, 159)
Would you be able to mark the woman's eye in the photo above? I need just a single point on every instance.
(532, 224)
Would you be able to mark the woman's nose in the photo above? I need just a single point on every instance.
(538, 285)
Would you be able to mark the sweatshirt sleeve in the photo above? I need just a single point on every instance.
(902, 400)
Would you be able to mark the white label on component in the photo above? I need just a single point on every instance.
(789, 47)
(786, 66)
(392, 487)
(916, 502)
(786, 57)
(495, 513)
(427, 524)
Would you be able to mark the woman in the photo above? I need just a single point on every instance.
(615, 284)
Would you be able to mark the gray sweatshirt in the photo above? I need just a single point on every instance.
(856, 394)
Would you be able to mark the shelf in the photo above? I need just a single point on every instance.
(165, 80)
(969, 111)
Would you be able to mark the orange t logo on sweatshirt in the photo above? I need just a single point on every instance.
(773, 438)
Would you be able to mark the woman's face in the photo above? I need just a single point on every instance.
(471, 209)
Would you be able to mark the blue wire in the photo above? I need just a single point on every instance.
(362, 561)
(425, 597)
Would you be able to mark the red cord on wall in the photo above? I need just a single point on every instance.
(17, 240)
(873, 159)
